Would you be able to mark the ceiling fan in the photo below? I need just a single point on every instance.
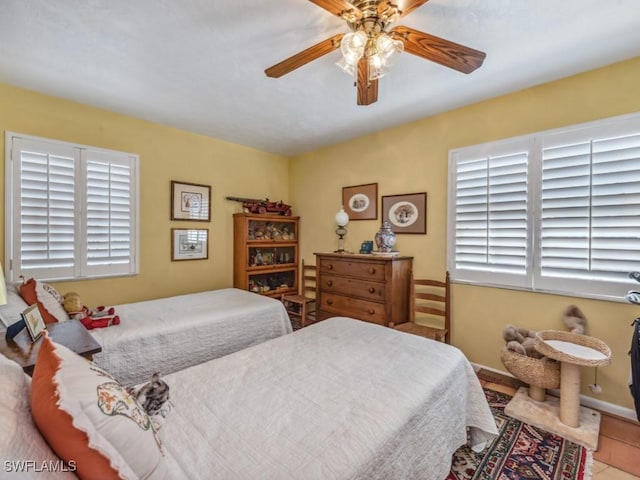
(369, 49)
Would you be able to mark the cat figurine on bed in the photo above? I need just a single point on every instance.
(153, 397)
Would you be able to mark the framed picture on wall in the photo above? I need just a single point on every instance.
(190, 201)
(406, 213)
(189, 244)
(361, 201)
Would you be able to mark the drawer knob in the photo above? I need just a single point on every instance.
(330, 267)
(371, 311)
(372, 290)
(372, 270)
(329, 283)
(329, 302)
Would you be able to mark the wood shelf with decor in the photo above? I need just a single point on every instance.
(265, 253)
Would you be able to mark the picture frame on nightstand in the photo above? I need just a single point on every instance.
(33, 320)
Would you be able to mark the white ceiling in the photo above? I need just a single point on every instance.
(198, 65)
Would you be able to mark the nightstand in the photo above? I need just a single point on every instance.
(70, 333)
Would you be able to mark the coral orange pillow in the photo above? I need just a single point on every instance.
(88, 417)
(50, 308)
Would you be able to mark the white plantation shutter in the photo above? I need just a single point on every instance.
(44, 209)
(590, 209)
(567, 223)
(490, 219)
(110, 246)
(71, 210)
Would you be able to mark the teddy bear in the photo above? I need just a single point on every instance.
(521, 340)
(91, 318)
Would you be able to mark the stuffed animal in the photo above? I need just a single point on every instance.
(574, 319)
(521, 340)
(91, 318)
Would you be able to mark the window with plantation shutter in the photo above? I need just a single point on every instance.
(489, 215)
(70, 210)
(590, 208)
(571, 225)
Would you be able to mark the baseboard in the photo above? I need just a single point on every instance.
(590, 402)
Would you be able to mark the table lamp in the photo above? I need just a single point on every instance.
(14, 329)
(342, 219)
(3, 289)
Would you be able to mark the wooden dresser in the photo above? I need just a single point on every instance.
(367, 287)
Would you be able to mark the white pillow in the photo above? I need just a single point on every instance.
(10, 313)
(23, 451)
(49, 297)
(85, 414)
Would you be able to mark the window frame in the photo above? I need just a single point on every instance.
(533, 280)
(82, 155)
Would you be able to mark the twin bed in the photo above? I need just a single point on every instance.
(170, 334)
(341, 399)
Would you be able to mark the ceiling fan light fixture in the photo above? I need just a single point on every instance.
(377, 67)
(353, 45)
(384, 56)
(388, 48)
(368, 51)
(381, 52)
(347, 67)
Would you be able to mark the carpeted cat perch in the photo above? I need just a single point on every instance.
(564, 416)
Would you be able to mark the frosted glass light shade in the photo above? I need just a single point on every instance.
(388, 48)
(352, 46)
(349, 68)
(342, 218)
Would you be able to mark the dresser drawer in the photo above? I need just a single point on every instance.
(365, 270)
(338, 305)
(353, 287)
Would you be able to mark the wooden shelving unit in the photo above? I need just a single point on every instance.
(265, 253)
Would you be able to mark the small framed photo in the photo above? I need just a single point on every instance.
(406, 213)
(189, 244)
(361, 201)
(190, 201)
(35, 323)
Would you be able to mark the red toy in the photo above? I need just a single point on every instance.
(100, 322)
(91, 318)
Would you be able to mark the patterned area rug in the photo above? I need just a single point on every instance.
(521, 452)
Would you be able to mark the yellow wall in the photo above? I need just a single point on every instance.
(165, 154)
(413, 158)
(407, 159)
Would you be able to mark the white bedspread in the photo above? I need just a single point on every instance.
(170, 334)
(341, 399)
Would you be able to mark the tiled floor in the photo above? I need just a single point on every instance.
(619, 444)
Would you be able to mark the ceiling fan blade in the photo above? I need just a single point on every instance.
(304, 57)
(439, 50)
(407, 6)
(367, 89)
(341, 8)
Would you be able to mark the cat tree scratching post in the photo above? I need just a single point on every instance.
(565, 416)
(572, 351)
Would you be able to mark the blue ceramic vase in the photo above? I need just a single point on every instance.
(385, 238)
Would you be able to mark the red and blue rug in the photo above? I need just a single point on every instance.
(521, 452)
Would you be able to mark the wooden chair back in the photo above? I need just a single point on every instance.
(307, 286)
(432, 301)
(301, 305)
